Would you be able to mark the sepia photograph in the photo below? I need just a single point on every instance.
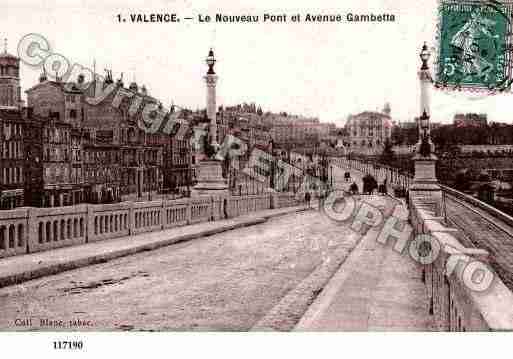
(180, 166)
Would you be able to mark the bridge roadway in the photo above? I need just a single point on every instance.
(227, 281)
(261, 276)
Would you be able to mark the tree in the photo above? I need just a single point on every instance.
(484, 177)
(388, 155)
(369, 184)
(462, 180)
(210, 151)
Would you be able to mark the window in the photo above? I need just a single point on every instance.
(73, 113)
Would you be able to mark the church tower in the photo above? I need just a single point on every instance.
(387, 110)
(10, 90)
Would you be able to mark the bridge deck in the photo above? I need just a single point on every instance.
(376, 289)
(21, 268)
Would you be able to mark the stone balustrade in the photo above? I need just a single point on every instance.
(28, 230)
(454, 304)
(286, 200)
(393, 175)
(457, 302)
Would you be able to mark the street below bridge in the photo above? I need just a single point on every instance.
(481, 230)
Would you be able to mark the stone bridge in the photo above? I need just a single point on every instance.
(29, 230)
(471, 234)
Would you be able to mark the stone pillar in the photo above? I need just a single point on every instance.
(425, 180)
(211, 81)
(89, 223)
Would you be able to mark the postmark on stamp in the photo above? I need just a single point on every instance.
(474, 45)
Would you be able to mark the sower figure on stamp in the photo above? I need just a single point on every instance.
(466, 40)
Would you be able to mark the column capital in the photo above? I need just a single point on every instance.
(211, 80)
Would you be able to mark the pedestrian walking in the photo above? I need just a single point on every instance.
(307, 199)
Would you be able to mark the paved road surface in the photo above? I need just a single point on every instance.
(376, 289)
(224, 282)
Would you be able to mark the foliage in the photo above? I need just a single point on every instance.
(388, 155)
(369, 184)
(484, 177)
(210, 151)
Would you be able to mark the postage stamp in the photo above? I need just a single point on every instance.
(474, 45)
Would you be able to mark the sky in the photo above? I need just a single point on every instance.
(326, 70)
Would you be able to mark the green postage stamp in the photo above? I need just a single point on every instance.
(474, 45)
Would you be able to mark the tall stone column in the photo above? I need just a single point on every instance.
(209, 175)
(211, 82)
(425, 182)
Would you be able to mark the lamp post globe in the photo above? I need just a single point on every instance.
(424, 56)
(211, 60)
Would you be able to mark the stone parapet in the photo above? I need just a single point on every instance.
(28, 230)
(461, 296)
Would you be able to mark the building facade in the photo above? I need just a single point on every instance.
(12, 161)
(470, 120)
(10, 90)
(368, 131)
(110, 157)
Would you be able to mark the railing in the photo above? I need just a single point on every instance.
(479, 204)
(393, 175)
(238, 206)
(454, 305)
(286, 200)
(29, 230)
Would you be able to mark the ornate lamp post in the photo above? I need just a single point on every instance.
(211, 81)
(425, 160)
(210, 180)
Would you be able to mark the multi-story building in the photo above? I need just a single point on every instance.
(470, 120)
(63, 183)
(178, 173)
(12, 161)
(368, 131)
(10, 90)
(113, 158)
(33, 173)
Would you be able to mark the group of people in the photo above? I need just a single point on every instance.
(322, 195)
(369, 186)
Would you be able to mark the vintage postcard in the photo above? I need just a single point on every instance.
(213, 166)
